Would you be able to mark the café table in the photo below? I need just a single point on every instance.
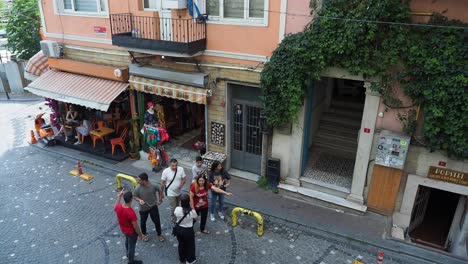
(101, 133)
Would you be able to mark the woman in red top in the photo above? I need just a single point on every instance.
(199, 198)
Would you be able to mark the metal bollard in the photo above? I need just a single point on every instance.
(248, 212)
(120, 176)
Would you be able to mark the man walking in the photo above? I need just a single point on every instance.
(128, 224)
(172, 181)
(149, 197)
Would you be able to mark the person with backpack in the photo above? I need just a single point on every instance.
(186, 216)
(172, 181)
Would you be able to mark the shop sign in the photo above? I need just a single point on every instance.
(446, 175)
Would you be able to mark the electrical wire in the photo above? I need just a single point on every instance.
(338, 18)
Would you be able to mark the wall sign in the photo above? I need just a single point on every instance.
(102, 31)
(446, 175)
(217, 133)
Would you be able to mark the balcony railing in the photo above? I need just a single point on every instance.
(187, 36)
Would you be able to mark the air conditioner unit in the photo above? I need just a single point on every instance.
(51, 49)
(175, 4)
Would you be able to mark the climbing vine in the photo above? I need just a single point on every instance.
(428, 62)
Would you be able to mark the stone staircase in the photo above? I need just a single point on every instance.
(337, 135)
(339, 129)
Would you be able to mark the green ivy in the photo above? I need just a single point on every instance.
(431, 65)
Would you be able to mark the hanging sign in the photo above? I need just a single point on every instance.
(446, 175)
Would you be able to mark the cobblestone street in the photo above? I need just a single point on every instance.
(49, 216)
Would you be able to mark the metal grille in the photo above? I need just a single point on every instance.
(238, 126)
(254, 137)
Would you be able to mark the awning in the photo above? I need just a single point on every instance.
(169, 89)
(36, 66)
(96, 93)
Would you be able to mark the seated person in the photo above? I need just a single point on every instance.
(83, 129)
(70, 120)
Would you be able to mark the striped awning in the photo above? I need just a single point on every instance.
(96, 93)
(169, 89)
(36, 66)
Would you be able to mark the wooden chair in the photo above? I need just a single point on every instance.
(99, 125)
(120, 141)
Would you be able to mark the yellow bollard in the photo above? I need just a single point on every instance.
(118, 179)
(248, 212)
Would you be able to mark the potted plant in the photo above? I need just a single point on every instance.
(134, 153)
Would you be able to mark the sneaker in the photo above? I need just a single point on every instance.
(221, 215)
(212, 217)
(77, 143)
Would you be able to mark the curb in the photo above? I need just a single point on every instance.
(337, 236)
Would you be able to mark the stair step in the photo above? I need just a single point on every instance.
(339, 121)
(344, 112)
(347, 105)
(324, 187)
(338, 131)
(331, 135)
(336, 144)
(336, 148)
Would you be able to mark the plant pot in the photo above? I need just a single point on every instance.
(134, 155)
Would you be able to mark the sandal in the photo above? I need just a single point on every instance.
(145, 238)
(161, 239)
(206, 232)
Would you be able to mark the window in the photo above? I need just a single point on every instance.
(152, 4)
(237, 11)
(91, 7)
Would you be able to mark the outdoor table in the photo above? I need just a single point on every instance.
(101, 133)
(210, 156)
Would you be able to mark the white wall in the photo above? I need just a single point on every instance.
(288, 148)
(459, 246)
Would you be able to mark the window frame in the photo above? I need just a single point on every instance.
(60, 9)
(158, 5)
(245, 21)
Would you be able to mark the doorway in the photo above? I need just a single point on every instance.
(432, 217)
(333, 121)
(246, 136)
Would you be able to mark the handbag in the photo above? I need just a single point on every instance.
(176, 228)
(167, 187)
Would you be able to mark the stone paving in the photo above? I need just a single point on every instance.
(49, 216)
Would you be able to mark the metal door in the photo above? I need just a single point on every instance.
(246, 137)
(419, 208)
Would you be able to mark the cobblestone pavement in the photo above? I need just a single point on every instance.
(49, 216)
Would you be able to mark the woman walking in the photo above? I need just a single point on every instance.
(199, 199)
(220, 179)
(186, 237)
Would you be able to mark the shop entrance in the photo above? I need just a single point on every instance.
(432, 217)
(185, 124)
